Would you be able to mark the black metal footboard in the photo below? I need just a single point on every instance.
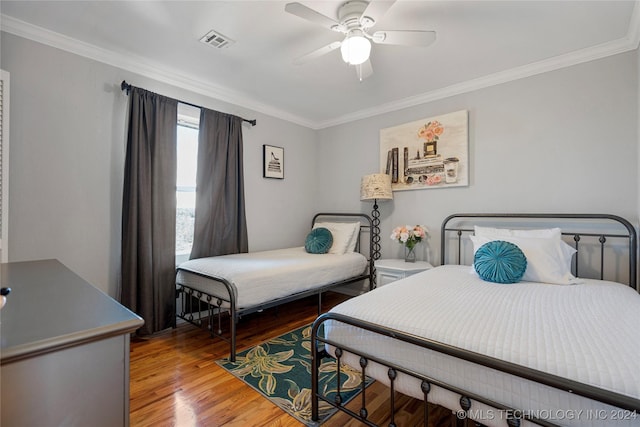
(215, 306)
(511, 416)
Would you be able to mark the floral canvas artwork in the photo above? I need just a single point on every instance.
(427, 153)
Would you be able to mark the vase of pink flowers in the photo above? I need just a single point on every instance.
(409, 236)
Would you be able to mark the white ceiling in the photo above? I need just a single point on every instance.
(479, 43)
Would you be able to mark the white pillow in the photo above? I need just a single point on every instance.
(343, 235)
(354, 238)
(546, 258)
(502, 232)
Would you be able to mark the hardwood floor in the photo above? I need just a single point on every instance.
(175, 380)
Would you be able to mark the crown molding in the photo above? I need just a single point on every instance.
(160, 73)
(142, 66)
(625, 44)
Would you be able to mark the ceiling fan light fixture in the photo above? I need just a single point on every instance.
(355, 49)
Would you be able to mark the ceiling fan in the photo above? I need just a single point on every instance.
(355, 18)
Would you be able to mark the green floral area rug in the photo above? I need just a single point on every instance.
(280, 369)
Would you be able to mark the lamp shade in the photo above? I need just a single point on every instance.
(376, 186)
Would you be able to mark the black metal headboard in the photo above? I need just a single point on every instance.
(595, 230)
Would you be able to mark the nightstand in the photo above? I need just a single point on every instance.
(390, 270)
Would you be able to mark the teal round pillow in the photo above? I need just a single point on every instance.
(318, 241)
(500, 262)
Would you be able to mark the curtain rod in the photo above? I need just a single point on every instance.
(126, 86)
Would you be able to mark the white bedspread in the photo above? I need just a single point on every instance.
(588, 333)
(260, 277)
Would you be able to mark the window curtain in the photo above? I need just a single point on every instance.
(220, 223)
(149, 210)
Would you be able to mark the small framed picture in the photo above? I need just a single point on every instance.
(273, 162)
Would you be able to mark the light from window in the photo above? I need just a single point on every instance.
(186, 187)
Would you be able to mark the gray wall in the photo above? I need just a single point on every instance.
(67, 162)
(563, 141)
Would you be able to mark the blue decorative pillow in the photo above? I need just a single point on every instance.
(318, 241)
(500, 262)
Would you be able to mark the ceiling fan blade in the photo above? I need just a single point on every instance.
(405, 38)
(309, 14)
(374, 11)
(317, 53)
(364, 70)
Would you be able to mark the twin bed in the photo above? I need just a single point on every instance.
(240, 284)
(560, 353)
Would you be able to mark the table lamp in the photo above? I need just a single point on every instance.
(376, 187)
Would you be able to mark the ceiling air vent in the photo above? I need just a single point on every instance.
(216, 40)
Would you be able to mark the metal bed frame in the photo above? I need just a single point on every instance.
(514, 415)
(190, 307)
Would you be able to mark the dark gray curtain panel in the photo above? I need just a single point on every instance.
(220, 220)
(149, 210)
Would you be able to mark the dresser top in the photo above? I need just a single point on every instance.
(50, 307)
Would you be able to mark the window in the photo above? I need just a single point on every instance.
(187, 148)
